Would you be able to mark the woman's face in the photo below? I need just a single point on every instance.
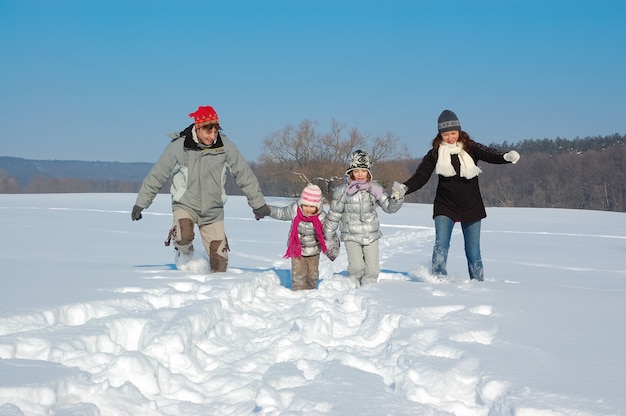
(450, 137)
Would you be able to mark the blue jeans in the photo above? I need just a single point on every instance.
(471, 234)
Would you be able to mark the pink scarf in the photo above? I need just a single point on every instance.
(294, 248)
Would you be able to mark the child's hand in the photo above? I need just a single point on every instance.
(332, 248)
(398, 190)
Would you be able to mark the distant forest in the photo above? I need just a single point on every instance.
(584, 173)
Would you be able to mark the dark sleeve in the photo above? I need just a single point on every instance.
(422, 173)
(488, 154)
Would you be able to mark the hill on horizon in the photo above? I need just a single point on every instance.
(25, 170)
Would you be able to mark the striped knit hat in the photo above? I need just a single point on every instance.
(311, 195)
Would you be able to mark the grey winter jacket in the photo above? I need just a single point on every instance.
(356, 214)
(198, 177)
(308, 238)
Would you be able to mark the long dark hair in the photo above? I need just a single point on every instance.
(464, 139)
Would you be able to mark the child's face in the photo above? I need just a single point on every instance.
(308, 210)
(360, 174)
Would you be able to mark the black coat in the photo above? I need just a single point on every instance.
(457, 198)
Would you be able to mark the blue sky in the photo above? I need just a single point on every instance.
(108, 79)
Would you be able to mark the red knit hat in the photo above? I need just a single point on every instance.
(205, 115)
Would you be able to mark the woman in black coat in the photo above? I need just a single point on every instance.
(453, 157)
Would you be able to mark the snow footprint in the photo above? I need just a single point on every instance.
(482, 310)
(484, 337)
(478, 336)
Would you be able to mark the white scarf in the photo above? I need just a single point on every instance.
(444, 166)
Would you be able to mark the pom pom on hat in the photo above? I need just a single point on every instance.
(204, 115)
(448, 121)
(311, 195)
(360, 160)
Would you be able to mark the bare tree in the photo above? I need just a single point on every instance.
(321, 157)
(8, 185)
(387, 148)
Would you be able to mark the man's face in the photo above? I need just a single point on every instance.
(207, 134)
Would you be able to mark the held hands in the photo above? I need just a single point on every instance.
(262, 212)
(136, 214)
(398, 190)
(332, 247)
(511, 156)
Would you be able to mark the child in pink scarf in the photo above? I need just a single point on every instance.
(306, 238)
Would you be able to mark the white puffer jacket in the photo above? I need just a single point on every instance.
(357, 214)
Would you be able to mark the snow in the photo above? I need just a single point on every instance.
(96, 320)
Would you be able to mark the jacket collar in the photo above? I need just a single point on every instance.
(191, 144)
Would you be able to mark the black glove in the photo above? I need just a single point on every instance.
(136, 214)
(262, 212)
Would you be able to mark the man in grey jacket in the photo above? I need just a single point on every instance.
(196, 161)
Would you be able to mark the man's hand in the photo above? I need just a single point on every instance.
(262, 212)
(136, 214)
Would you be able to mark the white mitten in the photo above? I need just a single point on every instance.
(398, 190)
(511, 156)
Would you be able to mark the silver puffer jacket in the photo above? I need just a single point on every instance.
(308, 238)
(357, 214)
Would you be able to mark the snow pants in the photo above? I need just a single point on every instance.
(213, 238)
(305, 272)
(363, 262)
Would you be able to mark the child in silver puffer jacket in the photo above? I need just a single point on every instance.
(353, 211)
(306, 239)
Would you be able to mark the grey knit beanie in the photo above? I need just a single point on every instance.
(448, 121)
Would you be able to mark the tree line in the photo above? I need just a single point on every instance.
(585, 173)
